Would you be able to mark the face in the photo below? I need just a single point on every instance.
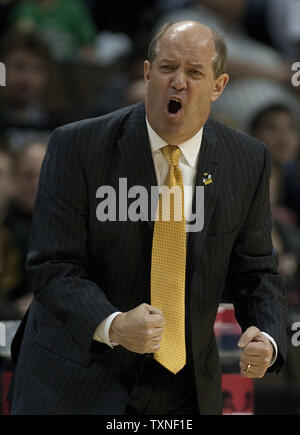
(279, 133)
(180, 82)
(26, 76)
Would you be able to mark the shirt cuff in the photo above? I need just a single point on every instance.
(274, 346)
(102, 332)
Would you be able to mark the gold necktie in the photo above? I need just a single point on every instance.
(168, 266)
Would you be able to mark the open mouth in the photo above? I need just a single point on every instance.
(174, 106)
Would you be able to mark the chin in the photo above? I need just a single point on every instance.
(175, 135)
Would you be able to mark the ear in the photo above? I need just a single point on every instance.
(147, 69)
(219, 86)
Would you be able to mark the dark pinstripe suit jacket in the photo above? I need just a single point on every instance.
(82, 270)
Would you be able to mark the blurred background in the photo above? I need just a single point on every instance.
(68, 60)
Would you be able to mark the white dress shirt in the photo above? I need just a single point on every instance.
(188, 161)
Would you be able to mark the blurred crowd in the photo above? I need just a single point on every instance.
(71, 59)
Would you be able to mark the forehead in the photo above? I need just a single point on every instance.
(190, 44)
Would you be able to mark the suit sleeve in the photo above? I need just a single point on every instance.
(257, 290)
(58, 260)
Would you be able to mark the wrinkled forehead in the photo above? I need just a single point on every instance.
(188, 40)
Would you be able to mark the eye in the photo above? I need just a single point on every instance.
(196, 72)
(167, 68)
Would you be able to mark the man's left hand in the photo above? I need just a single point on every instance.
(257, 353)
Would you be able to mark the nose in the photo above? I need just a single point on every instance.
(179, 81)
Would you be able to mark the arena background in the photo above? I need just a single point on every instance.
(65, 60)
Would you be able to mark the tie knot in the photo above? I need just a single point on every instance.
(172, 153)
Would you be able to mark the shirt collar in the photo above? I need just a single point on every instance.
(190, 148)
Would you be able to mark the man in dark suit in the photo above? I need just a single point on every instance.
(88, 342)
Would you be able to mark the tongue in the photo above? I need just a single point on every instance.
(174, 106)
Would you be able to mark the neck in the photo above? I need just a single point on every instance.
(173, 134)
(174, 139)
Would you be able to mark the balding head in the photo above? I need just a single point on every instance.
(203, 33)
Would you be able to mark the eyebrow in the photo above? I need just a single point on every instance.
(167, 60)
(194, 65)
(197, 65)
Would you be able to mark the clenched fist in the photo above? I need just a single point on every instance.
(138, 330)
(257, 353)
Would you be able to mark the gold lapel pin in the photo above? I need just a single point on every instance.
(207, 178)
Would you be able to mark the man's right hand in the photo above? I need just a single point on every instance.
(138, 330)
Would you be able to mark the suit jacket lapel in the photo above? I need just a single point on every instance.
(135, 149)
(210, 162)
